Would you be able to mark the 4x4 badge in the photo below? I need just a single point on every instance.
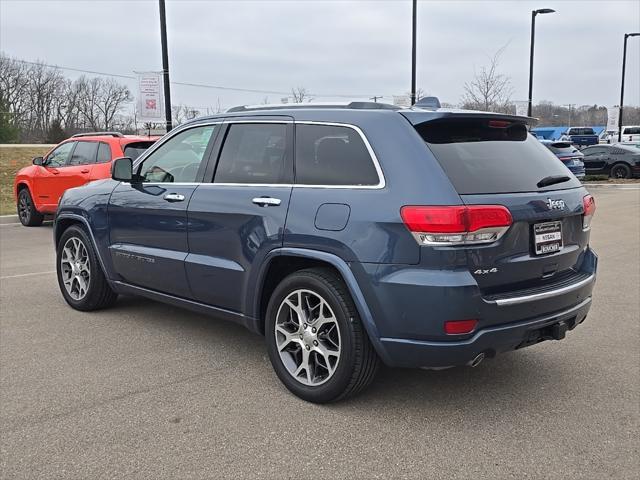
(555, 204)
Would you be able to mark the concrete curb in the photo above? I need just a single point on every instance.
(8, 219)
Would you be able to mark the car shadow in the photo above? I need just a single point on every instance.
(525, 377)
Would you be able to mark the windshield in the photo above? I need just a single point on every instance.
(488, 156)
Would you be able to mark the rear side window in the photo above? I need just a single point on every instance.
(254, 153)
(631, 131)
(489, 156)
(84, 153)
(332, 155)
(104, 153)
(134, 150)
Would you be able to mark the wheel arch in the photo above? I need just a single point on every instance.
(284, 261)
(66, 220)
(617, 163)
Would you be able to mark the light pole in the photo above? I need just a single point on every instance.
(165, 66)
(533, 40)
(413, 53)
(624, 64)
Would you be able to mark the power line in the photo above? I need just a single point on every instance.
(192, 84)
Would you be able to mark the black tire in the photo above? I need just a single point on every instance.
(98, 292)
(358, 362)
(620, 170)
(27, 213)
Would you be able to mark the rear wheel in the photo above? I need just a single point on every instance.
(27, 213)
(315, 338)
(620, 170)
(80, 277)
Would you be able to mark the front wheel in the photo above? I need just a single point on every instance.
(27, 213)
(80, 277)
(315, 338)
(620, 171)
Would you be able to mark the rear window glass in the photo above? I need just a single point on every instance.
(332, 155)
(104, 153)
(581, 131)
(631, 131)
(134, 150)
(84, 154)
(488, 156)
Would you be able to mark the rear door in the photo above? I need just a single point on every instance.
(497, 163)
(238, 217)
(148, 217)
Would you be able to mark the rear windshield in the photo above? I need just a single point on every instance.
(581, 131)
(561, 147)
(135, 149)
(489, 156)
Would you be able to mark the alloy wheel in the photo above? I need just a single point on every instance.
(74, 265)
(308, 337)
(24, 207)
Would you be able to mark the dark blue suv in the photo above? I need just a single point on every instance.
(346, 235)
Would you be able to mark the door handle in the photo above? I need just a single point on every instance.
(174, 197)
(267, 201)
(86, 170)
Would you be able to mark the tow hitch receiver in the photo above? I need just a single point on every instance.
(555, 331)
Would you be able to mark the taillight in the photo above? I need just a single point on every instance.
(456, 225)
(589, 204)
(459, 327)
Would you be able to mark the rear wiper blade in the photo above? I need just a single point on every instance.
(552, 180)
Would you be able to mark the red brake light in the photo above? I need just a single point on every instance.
(459, 327)
(499, 123)
(438, 225)
(589, 204)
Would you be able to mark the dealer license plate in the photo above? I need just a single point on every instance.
(548, 237)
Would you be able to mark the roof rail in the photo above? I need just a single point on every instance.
(93, 134)
(283, 106)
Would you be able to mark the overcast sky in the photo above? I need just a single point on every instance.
(358, 48)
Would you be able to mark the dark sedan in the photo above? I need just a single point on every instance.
(567, 154)
(617, 160)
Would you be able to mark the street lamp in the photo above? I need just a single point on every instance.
(624, 64)
(533, 39)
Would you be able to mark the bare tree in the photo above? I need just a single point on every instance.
(420, 93)
(183, 113)
(100, 100)
(300, 95)
(489, 90)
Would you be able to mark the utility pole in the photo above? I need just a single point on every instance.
(375, 98)
(413, 53)
(165, 66)
(533, 42)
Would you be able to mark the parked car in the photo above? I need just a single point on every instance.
(567, 154)
(337, 231)
(580, 136)
(78, 160)
(617, 160)
(630, 133)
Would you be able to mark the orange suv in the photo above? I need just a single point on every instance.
(78, 160)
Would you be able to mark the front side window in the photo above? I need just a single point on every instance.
(332, 155)
(84, 154)
(254, 153)
(179, 158)
(59, 157)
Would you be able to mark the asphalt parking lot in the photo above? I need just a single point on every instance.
(145, 390)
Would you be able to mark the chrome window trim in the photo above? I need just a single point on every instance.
(376, 163)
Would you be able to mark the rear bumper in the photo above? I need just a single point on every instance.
(489, 341)
(409, 307)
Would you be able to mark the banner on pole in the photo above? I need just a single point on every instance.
(521, 107)
(613, 114)
(150, 97)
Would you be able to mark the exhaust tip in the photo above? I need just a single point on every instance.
(477, 360)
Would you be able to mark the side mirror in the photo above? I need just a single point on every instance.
(38, 161)
(122, 169)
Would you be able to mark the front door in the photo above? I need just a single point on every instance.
(52, 178)
(238, 218)
(148, 217)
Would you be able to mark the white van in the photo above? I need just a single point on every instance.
(631, 133)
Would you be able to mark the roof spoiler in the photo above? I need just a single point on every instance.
(416, 116)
